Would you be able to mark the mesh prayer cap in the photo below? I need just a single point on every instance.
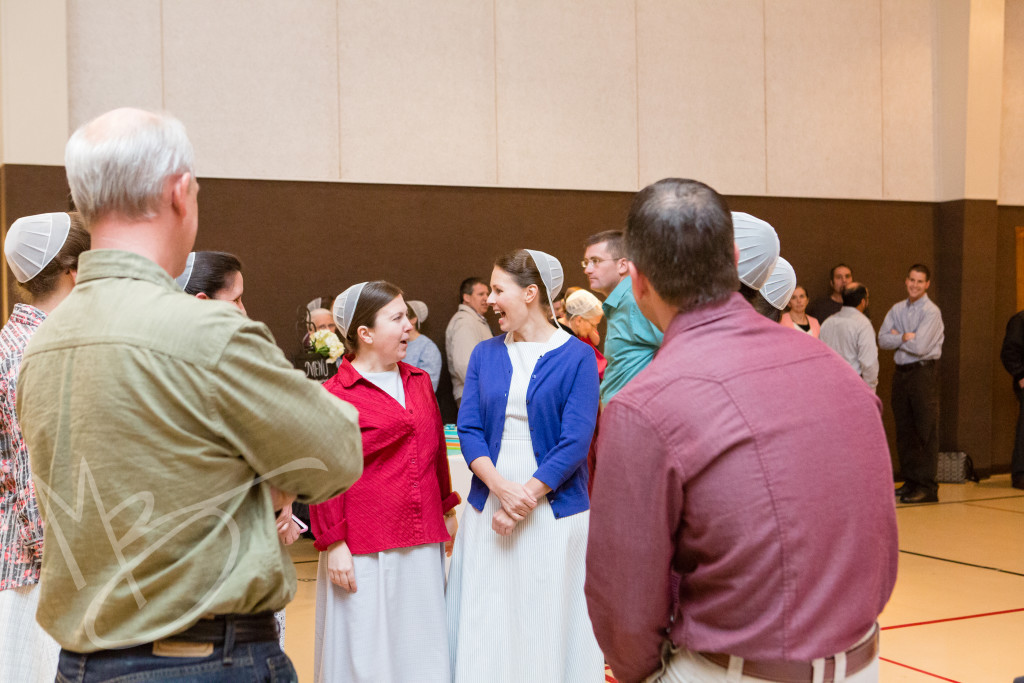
(780, 285)
(183, 279)
(759, 248)
(582, 303)
(345, 307)
(33, 241)
(420, 309)
(315, 304)
(551, 274)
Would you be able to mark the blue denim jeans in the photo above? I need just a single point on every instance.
(261, 661)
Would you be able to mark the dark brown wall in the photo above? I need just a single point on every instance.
(302, 239)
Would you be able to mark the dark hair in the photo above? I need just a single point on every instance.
(66, 259)
(680, 236)
(520, 265)
(614, 239)
(854, 294)
(411, 314)
(921, 268)
(832, 273)
(466, 288)
(374, 296)
(756, 299)
(210, 272)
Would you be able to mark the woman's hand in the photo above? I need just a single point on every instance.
(452, 525)
(340, 569)
(287, 530)
(515, 500)
(502, 523)
(279, 498)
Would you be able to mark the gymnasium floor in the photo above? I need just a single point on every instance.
(957, 613)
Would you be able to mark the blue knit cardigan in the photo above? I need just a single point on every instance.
(561, 405)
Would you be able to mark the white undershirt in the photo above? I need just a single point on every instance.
(390, 382)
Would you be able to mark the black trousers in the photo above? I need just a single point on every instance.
(1017, 464)
(915, 406)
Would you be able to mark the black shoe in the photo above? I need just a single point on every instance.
(919, 496)
(905, 489)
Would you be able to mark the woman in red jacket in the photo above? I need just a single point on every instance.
(380, 610)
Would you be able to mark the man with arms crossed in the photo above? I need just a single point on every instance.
(467, 328)
(849, 333)
(156, 425)
(631, 339)
(913, 328)
(730, 474)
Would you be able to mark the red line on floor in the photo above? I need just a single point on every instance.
(920, 671)
(942, 621)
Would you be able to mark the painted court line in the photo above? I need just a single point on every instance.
(990, 507)
(942, 621)
(925, 506)
(966, 564)
(920, 671)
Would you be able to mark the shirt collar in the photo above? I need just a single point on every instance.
(98, 264)
(704, 315)
(919, 302)
(349, 376)
(25, 314)
(468, 308)
(626, 285)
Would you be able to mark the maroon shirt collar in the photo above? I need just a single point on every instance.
(703, 315)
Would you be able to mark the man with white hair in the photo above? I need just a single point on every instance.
(323, 320)
(164, 432)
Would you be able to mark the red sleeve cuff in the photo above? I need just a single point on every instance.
(450, 502)
(338, 532)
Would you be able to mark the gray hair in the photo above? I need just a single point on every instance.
(119, 162)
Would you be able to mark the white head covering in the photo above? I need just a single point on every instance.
(551, 274)
(345, 307)
(315, 304)
(33, 241)
(759, 248)
(582, 303)
(183, 279)
(420, 309)
(780, 285)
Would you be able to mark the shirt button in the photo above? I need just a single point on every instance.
(415, 484)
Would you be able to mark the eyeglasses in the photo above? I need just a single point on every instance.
(595, 261)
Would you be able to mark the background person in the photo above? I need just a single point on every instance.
(850, 334)
(42, 252)
(380, 580)
(515, 588)
(913, 329)
(1012, 356)
(217, 276)
(630, 339)
(583, 313)
(465, 330)
(797, 318)
(422, 352)
(838, 278)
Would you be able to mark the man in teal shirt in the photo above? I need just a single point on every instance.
(631, 339)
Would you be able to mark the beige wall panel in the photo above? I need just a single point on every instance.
(566, 92)
(984, 99)
(1011, 181)
(256, 83)
(34, 81)
(908, 131)
(701, 92)
(417, 92)
(114, 57)
(824, 108)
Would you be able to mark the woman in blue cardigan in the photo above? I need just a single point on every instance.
(516, 609)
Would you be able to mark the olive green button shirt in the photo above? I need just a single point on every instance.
(155, 424)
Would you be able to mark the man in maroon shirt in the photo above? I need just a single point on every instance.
(729, 464)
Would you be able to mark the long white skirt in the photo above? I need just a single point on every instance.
(516, 608)
(27, 653)
(392, 627)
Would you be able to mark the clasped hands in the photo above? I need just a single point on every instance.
(516, 504)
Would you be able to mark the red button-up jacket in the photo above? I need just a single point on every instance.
(406, 487)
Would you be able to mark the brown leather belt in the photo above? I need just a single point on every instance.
(857, 658)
